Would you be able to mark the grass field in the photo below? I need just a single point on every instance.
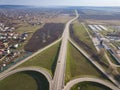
(25, 81)
(81, 33)
(26, 28)
(81, 37)
(77, 65)
(18, 81)
(89, 86)
(46, 59)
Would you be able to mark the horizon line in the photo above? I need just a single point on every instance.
(56, 5)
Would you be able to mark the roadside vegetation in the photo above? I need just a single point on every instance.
(79, 31)
(46, 59)
(77, 65)
(89, 86)
(81, 37)
(25, 81)
(118, 69)
(113, 60)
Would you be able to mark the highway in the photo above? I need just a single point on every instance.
(110, 77)
(58, 80)
(96, 80)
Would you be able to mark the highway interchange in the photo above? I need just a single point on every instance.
(57, 82)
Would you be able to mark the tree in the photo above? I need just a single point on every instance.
(101, 53)
(112, 70)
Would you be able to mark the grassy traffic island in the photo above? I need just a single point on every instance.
(78, 66)
(28, 80)
(89, 86)
(46, 59)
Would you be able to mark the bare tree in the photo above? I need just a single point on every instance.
(112, 70)
(101, 53)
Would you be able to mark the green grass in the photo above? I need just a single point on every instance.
(46, 59)
(28, 80)
(19, 81)
(77, 65)
(89, 86)
(81, 33)
(118, 69)
(27, 28)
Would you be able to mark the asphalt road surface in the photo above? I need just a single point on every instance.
(58, 80)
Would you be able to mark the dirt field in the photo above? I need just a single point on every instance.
(44, 36)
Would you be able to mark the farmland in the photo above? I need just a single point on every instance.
(44, 36)
(103, 15)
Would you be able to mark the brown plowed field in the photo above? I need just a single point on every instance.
(44, 36)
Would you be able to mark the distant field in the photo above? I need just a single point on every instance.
(22, 28)
(46, 59)
(100, 16)
(89, 86)
(103, 22)
(25, 81)
(77, 65)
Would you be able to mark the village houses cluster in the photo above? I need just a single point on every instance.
(9, 44)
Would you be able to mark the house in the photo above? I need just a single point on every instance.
(16, 45)
(1, 52)
(5, 44)
(1, 45)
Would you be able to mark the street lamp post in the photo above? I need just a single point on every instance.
(79, 88)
